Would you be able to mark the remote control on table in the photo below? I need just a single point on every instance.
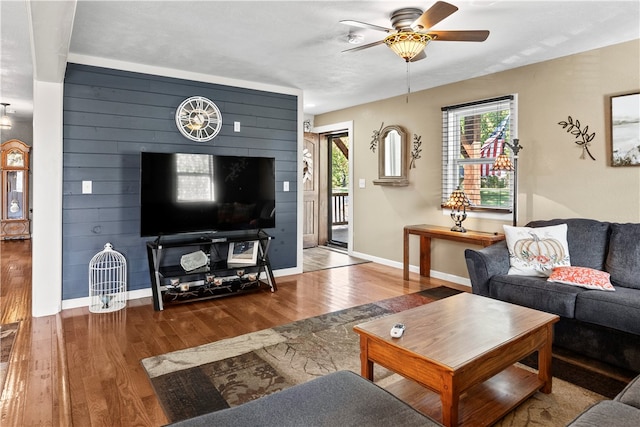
(397, 330)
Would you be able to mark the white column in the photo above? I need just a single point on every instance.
(46, 169)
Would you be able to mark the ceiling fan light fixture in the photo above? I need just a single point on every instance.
(5, 121)
(407, 44)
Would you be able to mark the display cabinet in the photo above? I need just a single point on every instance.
(185, 269)
(14, 164)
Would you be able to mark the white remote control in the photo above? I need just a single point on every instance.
(397, 330)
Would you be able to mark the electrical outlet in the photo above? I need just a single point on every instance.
(285, 186)
(361, 183)
(236, 126)
(87, 187)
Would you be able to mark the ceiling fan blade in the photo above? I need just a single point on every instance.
(364, 46)
(419, 57)
(365, 25)
(460, 36)
(433, 15)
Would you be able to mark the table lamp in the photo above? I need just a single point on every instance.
(458, 200)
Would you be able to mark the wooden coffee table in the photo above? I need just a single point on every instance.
(463, 348)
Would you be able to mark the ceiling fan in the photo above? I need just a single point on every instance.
(412, 31)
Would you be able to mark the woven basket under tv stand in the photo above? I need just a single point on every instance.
(171, 283)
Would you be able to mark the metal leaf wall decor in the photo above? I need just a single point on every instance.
(583, 138)
(415, 152)
(375, 139)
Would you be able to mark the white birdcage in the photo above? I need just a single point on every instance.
(107, 281)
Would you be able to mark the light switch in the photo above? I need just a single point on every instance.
(86, 187)
(361, 183)
(285, 186)
(236, 126)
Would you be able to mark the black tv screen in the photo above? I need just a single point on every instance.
(190, 193)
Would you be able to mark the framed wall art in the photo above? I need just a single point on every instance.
(625, 129)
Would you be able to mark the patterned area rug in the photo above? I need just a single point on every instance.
(8, 335)
(233, 371)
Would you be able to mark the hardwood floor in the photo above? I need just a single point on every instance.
(321, 257)
(84, 369)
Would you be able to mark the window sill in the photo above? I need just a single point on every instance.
(496, 216)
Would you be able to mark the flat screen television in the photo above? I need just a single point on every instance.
(191, 193)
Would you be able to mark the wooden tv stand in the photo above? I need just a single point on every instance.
(171, 283)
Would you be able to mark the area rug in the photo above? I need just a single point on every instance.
(234, 371)
(8, 335)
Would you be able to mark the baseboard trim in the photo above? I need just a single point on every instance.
(414, 269)
(145, 293)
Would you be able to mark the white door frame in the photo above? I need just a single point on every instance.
(348, 126)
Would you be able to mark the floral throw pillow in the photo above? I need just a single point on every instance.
(535, 251)
(583, 277)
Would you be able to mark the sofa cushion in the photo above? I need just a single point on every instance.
(631, 393)
(618, 310)
(341, 398)
(587, 239)
(537, 293)
(583, 277)
(623, 260)
(607, 413)
(535, 251)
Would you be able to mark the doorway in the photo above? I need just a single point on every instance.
(326, 187)
(327, 214)
(338, 190)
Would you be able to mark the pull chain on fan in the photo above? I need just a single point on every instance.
(408, 81)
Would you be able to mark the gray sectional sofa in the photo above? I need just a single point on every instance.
(623, 411)
(341, 398)
(598, 324)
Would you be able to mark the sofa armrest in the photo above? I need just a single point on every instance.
(631, 393)
(486, 263)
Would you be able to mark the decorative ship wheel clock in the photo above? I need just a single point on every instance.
(14, 223)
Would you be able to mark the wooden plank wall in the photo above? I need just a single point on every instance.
(110, 116)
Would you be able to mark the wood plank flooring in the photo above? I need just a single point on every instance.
(321, 257)
(84, 369)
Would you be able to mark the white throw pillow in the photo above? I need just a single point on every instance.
(535, 251)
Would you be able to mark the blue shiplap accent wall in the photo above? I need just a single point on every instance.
(110, 116)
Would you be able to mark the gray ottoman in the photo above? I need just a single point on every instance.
(338, 399)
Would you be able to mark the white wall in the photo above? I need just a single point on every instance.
(47, 199)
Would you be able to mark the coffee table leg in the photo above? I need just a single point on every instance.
(449, 398)
(366, 366)
(544, 362)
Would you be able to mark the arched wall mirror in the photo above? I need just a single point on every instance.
(392, 157)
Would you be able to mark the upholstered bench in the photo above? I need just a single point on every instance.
(338, 399)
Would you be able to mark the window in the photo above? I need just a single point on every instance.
(195, 178)
(473, 135)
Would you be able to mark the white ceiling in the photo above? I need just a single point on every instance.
(298, 44)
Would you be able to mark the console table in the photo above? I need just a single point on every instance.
(427, 232)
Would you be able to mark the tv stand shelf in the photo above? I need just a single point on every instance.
(221, 275)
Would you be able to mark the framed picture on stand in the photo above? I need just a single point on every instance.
(242, 253)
